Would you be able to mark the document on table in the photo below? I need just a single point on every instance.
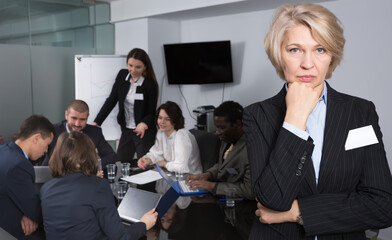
(143, 178)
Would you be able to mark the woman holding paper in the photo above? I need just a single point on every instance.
(136, 92)
(309, 179)
(175, 148)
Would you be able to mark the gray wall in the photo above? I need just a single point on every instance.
(44, 85)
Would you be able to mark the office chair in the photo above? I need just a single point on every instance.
(209, 145)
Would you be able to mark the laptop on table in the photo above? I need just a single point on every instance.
(42, 175)
(137, 202)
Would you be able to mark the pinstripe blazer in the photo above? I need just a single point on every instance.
(354, 190)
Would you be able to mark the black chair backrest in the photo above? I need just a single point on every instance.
(209, 145)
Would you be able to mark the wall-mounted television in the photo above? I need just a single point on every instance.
(199, 62)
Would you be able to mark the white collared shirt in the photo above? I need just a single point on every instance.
(129, 102)
(179, 150)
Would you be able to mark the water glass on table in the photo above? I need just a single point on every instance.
(125, 169)
(230, 197)
(122, 188)
(179, 175)
(111, 168)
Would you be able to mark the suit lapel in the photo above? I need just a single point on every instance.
(335, 133)
(236, 148)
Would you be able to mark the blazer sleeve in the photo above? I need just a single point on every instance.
(109, 219)
(20, 188)
(241, 181)
(273, 159)
(367, 205)
(243, 187)
(111, 101)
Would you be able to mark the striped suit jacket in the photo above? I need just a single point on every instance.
(354, 191)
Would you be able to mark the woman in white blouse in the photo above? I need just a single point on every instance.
(175, 148)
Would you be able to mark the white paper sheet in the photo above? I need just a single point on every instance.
(143, 178)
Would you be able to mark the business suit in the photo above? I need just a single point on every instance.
(82, 207)
(17, 192)
(354, 190)
(236, 160)
(144, 111)
(105, 151)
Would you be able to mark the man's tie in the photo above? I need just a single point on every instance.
(227, 152)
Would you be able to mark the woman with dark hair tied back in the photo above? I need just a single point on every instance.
(136, 92)
(312, 180)
(76, 204)
(175, 148)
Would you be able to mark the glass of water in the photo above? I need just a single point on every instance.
(230, 197)
(125, 169)
(111, 168)
(122, 188)
(179, 175)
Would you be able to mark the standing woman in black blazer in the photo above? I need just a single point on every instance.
(136, 91)
(308, 182)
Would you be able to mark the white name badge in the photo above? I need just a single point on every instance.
(139, 96)
(360, 137)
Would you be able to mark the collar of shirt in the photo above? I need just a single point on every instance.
(27, 157)
(172, 135)
(66, 127)
(139, 82)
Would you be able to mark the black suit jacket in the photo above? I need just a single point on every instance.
(76, 206)
(144, 110)
(354, 190)
(105, 151)
(17, 192)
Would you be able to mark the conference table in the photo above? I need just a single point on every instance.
(202, 217)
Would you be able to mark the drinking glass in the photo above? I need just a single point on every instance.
(125, 169)
(230, 197)
(111, 168)
(122, 188)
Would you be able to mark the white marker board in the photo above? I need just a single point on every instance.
(94, 79)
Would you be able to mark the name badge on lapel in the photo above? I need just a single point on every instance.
(232, 171)
(360, 137)
(139, 96)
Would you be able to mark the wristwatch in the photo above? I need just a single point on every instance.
(300, 221)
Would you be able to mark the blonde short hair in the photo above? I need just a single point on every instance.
(324, 26)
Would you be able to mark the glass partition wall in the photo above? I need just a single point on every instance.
(38, 41)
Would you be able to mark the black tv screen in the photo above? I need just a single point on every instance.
(198, 63)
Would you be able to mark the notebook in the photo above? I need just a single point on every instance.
(137, 202)
(180, 186)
